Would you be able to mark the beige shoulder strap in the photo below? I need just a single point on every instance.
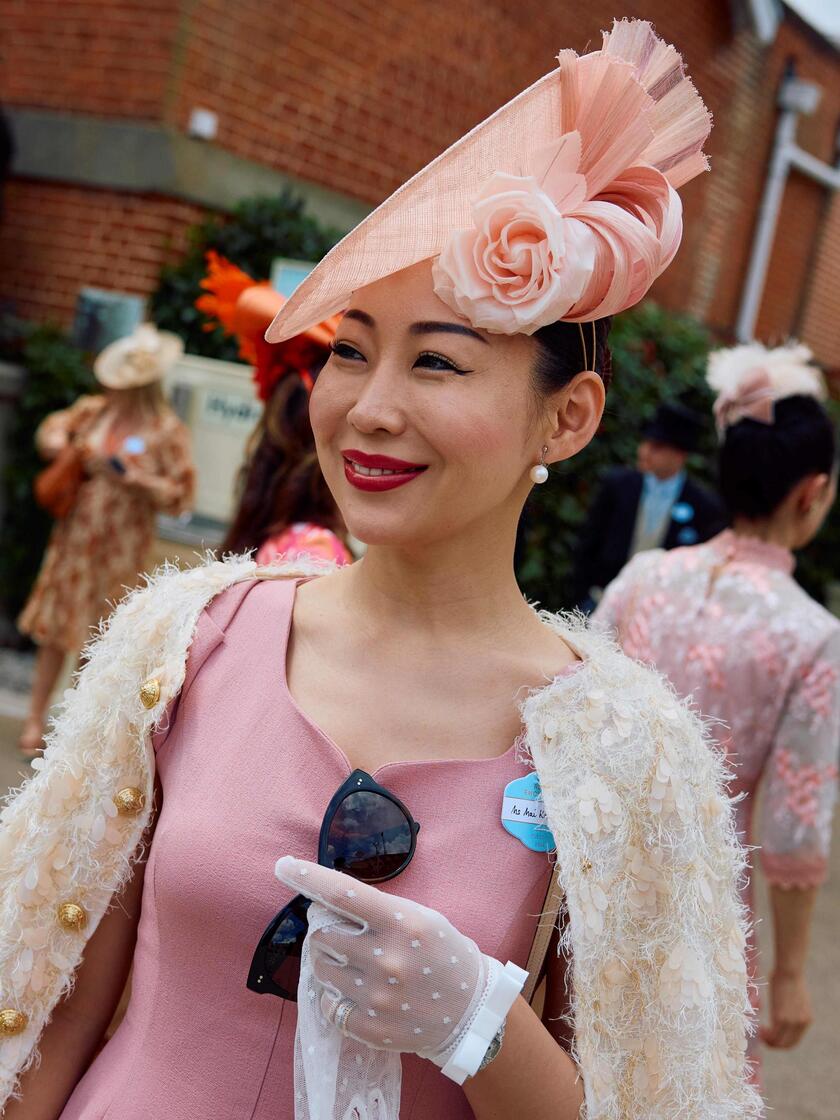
(545, 927)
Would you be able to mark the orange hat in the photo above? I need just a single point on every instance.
(244, 307)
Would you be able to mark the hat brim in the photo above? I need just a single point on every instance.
(638, 116)
(660, 434)
(113, 371)
(257, 307)
(415, 222)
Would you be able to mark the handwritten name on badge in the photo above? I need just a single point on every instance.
(518, 809)
(524, 816)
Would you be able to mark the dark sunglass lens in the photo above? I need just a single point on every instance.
(278, 957)
(370, 837)
(285, 974)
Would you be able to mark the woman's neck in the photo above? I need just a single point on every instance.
(127, 417)
(769, 531)
(462, 584)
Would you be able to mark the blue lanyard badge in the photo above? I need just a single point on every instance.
(523, 814)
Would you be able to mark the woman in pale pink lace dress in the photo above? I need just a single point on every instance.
(728, 625)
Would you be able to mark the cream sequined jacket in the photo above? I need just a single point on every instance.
(646, 855)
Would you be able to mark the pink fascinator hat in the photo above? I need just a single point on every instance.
(561, 205)
(749, 380)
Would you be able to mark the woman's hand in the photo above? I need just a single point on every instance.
(132, 475)
(92, 461)
(52, 443)
(412, 980)
(790, 1011)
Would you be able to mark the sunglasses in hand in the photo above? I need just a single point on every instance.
(366, 832)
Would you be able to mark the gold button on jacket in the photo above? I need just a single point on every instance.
(72, 916)
(129, 801)
(150, 693)
(12, 1022)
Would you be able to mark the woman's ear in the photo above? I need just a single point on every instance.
(574, 414)
(812, 491)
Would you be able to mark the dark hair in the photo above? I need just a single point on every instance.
(281, 481)
(564, 349)
(759, 464)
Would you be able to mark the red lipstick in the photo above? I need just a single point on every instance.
(375, 473)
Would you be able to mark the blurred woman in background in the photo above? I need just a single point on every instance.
(727, 623)
(134, 455)
(285, 507)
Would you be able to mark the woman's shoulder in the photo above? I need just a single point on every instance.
(156, 622)
(168, 425)
(817, 625)
(168, 597)
(615, 715)
(164, 630)
(654, 565)
(93, 401)
(86, 406)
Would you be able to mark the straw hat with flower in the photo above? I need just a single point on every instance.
(140, 358)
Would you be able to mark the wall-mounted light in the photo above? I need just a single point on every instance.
(203, 124)
(798, 96)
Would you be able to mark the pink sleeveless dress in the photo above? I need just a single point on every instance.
(246, 778)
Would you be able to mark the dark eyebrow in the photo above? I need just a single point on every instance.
(445, 328)
(419, 328)
(361, 316)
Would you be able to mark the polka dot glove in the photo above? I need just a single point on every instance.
(398, 976)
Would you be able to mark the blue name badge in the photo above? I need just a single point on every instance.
(682, 512)
(523, 814)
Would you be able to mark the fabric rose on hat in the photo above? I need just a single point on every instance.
(591, 217)
(542, 248)
(524, 264)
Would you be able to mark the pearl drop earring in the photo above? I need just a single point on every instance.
(539, 473)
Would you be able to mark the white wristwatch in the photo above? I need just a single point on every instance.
(506, 984)
(493, 1049)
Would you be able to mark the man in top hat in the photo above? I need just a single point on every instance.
(655, 505)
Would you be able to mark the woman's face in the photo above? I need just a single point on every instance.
(446, 411)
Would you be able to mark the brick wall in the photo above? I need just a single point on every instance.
(821, 317)
(110, 58)
(360, 94)
(355, 95)
(805, 238)
(63, 238)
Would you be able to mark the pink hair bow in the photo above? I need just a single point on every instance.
(751, 400)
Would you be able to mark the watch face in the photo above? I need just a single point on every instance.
(494, 1048)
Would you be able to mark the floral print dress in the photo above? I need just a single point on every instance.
(304, 539)
(731, 629)
(96, 553)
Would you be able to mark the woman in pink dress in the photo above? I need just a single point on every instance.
(729, 626)
(408, 718)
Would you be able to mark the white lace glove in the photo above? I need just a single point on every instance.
(395, 975)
